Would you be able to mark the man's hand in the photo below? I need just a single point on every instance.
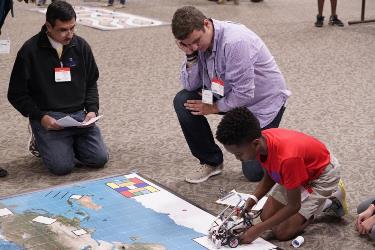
(50, 123)
(250, 234)
(89, 116)
(197, 107)
(184, 48)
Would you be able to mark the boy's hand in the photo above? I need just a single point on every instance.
(250, 235)
(367, 225)
(248, 205)
(362, 217)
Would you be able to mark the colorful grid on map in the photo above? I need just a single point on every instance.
(130, 187)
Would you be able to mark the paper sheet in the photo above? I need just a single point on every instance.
(232, 198)
(4, 46)
(68, 121)
(5, 212)
(44, 220)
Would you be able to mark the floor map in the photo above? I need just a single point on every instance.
(106, 19)
(121, 212)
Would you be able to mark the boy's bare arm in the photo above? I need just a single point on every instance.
(261, 190)
(293, 206)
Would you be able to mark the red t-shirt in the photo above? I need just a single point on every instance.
(294, 158)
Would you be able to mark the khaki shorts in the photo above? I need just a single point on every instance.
(323, 187)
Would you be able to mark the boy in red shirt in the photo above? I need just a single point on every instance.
(299, 169)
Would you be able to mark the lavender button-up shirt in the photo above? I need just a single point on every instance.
(250, 74)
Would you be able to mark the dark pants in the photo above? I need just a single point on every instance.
(5, 6)
(60, 149)
(252, 170)
(111, 1)
(199, 136)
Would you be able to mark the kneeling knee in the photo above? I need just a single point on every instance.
(99, 160)
(60, 168)
(282, 235)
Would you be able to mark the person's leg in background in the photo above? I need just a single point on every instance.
(365, 204)
(333, 20)
(110, 3)
(198, 135)
(253, 170)
(320, 18)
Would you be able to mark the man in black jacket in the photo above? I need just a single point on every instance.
(55, 75)
(5, 7)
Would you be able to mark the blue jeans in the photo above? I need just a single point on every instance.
(199, 136)
(253, 170)
(60, 149)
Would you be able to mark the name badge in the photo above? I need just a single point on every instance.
(207, 96)
(62, 75)
(4, 46)
(217, 86)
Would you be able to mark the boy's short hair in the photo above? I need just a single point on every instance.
(60, 10)
(237, 127)
(185, 20)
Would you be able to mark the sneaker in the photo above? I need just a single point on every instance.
(333, 20)
(220, 1)
(109, 5)
(319, 21)
(339, 207)
(256, 1)
(203, 172)
(32, 147)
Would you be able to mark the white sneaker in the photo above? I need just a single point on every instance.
(203, 172)
(31, 146)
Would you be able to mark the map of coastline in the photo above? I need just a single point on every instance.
(110, 220)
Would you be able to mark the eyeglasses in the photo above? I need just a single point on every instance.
(65, 32)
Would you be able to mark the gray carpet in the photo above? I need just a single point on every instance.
(330, 71)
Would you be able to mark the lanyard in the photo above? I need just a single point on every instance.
(205, 70)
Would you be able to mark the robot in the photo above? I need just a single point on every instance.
(228, 226)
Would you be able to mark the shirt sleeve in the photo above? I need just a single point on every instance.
(293, 173)
(18, 91)
(239, 74)
(92, 72)
(190, 78)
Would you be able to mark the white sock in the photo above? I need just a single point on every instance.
(327, 204)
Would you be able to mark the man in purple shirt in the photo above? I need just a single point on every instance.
(226, 66)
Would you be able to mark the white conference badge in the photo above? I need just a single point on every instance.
(5, 46)
(62, 75)
(207, 96)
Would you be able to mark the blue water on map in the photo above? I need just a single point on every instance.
(119, 219)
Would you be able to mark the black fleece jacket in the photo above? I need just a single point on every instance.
(32, 87)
